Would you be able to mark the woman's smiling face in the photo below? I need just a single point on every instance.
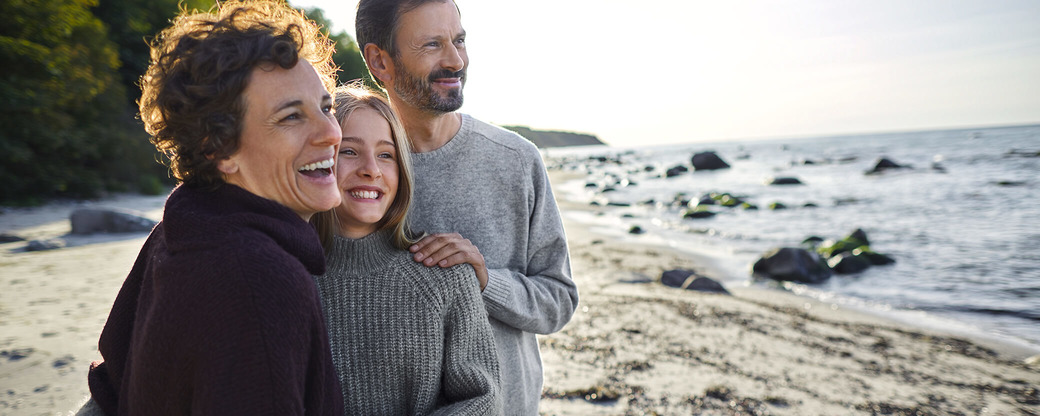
(367, 172)
(289, 140)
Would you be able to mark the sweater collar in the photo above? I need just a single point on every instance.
(452, 146)
(195, 218)
(362, 256)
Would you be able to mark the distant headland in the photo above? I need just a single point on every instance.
(545, 138)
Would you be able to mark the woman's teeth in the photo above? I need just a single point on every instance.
(325, 164)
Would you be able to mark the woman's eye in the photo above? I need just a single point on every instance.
(328, 109)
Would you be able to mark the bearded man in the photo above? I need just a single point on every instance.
(481, 192)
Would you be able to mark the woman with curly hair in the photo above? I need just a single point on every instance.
(219, 314)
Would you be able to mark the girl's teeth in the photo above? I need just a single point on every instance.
(365, 194)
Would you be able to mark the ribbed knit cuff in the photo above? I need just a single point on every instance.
(497, 293)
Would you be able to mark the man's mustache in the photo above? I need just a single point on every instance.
(444, 73)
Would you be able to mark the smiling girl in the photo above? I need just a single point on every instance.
(405, 338)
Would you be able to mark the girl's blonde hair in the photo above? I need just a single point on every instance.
(350, 97)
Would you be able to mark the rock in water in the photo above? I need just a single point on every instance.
(708, 161)
(848, 263)
(94, 220)
(884, 164)
(784, 180)
(792, 264)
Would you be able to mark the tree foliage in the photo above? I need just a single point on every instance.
(68, 93)
(348, 56)
(58, 92)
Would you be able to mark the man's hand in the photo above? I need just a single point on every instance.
(449, 249)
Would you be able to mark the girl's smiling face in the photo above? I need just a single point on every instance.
(367, 172)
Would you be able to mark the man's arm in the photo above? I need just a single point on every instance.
(542, 298)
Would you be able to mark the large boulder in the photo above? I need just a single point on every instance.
(848, 263)
(792, 264)
(708, 161)
(109, 220)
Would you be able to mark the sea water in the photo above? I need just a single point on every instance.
(962, 223)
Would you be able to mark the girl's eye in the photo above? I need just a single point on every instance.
(348, 152)
(328, 109)
(386, 155)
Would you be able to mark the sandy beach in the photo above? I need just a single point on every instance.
(633, 347)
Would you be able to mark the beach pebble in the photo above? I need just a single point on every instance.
(16, 354)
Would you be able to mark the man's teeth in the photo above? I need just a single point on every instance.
(325, 164)
(365, 194)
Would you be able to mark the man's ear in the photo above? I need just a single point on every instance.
(379, 62)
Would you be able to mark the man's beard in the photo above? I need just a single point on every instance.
(419, 93)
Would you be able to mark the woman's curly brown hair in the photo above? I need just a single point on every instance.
(191, 95)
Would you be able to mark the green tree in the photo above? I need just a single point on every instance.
(57, 86)
(348, 56)
(132, 24)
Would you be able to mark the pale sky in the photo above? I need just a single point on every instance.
(654, 72)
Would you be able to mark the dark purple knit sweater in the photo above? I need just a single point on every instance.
(220, 315)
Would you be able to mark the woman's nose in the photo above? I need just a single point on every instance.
(329, 133)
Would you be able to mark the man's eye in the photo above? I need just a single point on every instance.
(293, 116)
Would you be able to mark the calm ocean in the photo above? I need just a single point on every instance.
(963, 223)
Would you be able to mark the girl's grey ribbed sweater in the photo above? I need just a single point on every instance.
(407, 339)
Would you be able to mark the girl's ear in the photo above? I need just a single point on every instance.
(379, 62)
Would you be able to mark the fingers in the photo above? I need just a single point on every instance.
(446, 250)
(450, 249)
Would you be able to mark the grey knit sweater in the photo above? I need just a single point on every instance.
(489, 185)
(406, 339)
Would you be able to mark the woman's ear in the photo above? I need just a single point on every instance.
(379, 62)
(227, 166)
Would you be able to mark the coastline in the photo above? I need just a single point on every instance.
(634, 346)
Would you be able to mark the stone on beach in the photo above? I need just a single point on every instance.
(44, 245)
(94, 220)
(689, 280)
